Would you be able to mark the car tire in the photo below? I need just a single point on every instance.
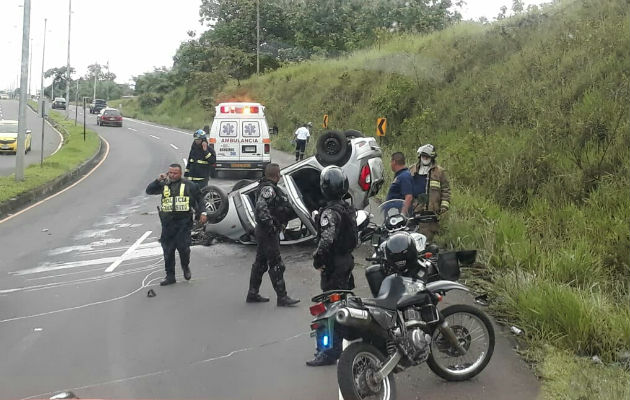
(241, 184)
(215, 202)
(353, 133)
(332, 149)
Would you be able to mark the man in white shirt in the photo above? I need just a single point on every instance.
(301, 138)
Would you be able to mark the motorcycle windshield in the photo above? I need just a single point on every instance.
(386, 210)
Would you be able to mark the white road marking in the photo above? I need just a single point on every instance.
(131, 129)
(58, 193)
(175, 147)
(157, 126)
(133, 247)
(142, 286)
(153, 136)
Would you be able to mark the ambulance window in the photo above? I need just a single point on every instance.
(251, 129)
(227, 129)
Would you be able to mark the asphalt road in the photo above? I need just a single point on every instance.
(66, 323)
(9, 110)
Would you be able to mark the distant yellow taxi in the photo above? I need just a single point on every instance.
(8, 136)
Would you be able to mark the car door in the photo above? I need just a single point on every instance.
(228, 142)
(295, 199)
(251, 147)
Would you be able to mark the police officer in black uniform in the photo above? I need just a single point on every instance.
(272, 207)
(333, 257)
(179, 198)
(200, 160)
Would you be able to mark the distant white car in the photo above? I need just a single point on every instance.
(231, 216)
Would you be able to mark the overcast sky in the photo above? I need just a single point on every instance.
(133, 35)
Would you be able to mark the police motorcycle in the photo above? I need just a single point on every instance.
(401, 326)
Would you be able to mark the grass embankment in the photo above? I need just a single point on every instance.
(178, 109)
(73, 152)
(530, 117)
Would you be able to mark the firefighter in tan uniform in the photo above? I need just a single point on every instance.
(432, 191)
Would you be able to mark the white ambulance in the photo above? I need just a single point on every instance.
(240, 137)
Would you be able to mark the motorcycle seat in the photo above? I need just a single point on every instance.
(391, 291)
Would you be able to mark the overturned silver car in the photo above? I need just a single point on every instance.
(231, 216)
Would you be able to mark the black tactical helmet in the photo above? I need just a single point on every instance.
(400, 252)
(333, 183)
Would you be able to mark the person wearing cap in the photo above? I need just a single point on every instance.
(432, 191)
(200, 160)
(302, 134)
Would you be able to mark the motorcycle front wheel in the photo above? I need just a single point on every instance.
(475, 334)
(356, 369)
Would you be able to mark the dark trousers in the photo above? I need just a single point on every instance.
(176, 236)
(201, 183)
(337, 275)
(300, 148)
(267, 259)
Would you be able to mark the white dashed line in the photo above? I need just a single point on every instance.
(126, 253)
(153, 136)
(131, 129)
(157, 126)
(175, 147)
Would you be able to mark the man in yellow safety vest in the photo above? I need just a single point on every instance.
(180, 198)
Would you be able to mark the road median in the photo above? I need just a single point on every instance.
(77, 156)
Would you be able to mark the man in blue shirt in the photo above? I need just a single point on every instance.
(402, 186)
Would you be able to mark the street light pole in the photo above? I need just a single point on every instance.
(21, 139)
(257, 37)
(30, 63)
(68, 64)
(42, 102)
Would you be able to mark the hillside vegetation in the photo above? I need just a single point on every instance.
(530, 117)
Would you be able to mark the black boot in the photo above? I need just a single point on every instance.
(255, 298)
(167, 281)
(186, 273)
(286, 301)
(321, 359)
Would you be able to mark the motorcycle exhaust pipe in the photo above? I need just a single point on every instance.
(353, 317)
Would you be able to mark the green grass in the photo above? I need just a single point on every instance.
(566, 377)
(73, 152)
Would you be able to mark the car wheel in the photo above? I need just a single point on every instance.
(241, 184)
(332, 149)
(353, 133)
(215, 202)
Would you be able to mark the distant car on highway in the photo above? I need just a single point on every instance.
(59, 102)
(8, 137)
(231, 216)
(109, 116)
(97, 105)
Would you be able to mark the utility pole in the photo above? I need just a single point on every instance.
(68, 64)
(257, 37)
(76, 102)
(21, 139)
(95, 75)
(30, 63)
(42, 101)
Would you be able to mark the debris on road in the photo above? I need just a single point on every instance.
(151, 293)
(515, 330)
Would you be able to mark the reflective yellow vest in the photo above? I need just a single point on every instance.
(181, 202)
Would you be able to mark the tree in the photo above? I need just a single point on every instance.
(517, 6)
